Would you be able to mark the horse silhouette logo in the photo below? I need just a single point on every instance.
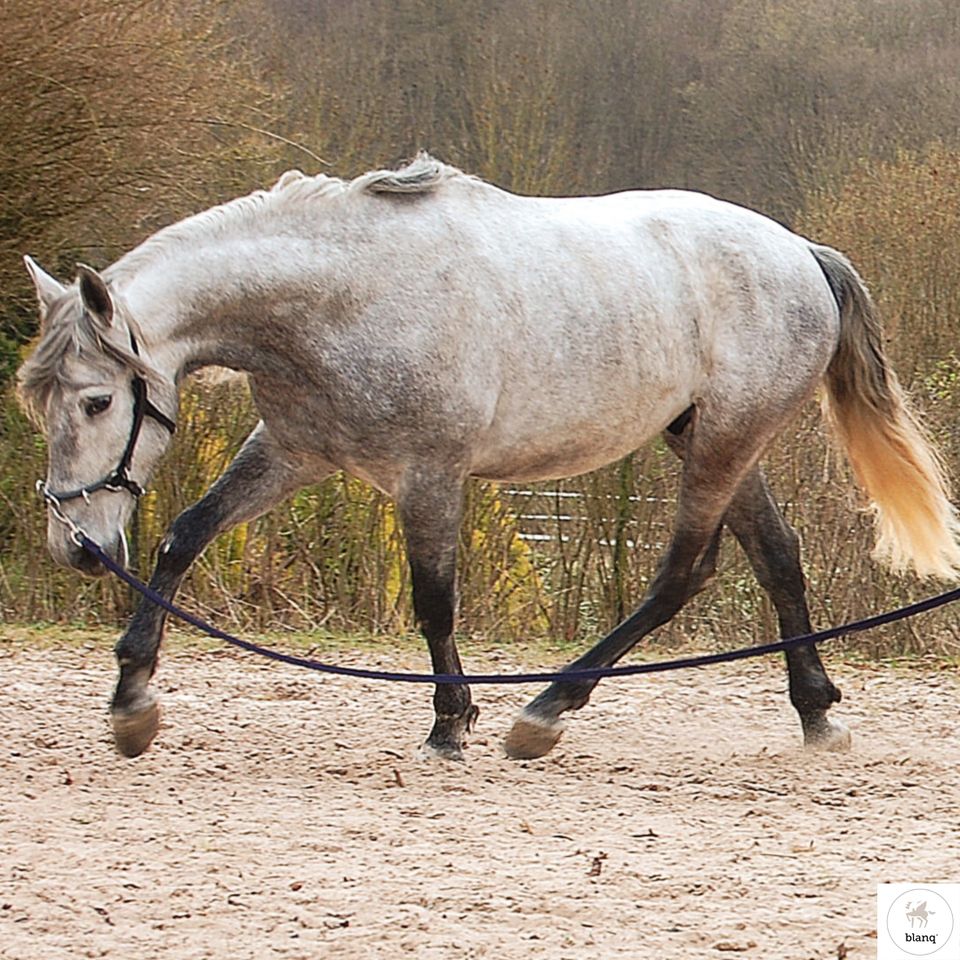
(919, 922)
(918, 913)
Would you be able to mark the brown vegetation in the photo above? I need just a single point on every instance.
(832, 116)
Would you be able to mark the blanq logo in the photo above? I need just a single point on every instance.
(918, 920)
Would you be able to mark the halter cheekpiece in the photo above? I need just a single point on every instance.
(120, 479)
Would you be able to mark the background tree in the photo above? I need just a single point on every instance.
(839, 117)
(117, 117)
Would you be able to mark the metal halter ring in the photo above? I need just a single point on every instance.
(77, 533)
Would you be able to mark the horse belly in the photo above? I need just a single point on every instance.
(554, 440)
(531, 466)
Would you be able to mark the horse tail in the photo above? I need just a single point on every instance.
(892, 458)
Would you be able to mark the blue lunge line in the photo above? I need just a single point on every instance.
(596, 673)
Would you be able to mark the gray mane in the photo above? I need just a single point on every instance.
(423, 174)
(292, 191)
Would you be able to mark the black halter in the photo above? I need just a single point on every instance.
(120, 478)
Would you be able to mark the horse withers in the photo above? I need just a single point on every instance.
(419, 327)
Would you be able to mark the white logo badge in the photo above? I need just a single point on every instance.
(917, 920)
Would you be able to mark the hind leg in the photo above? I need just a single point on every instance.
(773, 550)
(774, 553)
(713, 468)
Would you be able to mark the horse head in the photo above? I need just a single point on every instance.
(107, 414)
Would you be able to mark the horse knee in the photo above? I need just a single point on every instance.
(185, 540)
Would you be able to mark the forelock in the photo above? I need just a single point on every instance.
(69, 332)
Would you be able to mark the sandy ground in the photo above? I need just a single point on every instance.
(284, 815)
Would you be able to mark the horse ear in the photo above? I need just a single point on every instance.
(95, 295)
(48, 288)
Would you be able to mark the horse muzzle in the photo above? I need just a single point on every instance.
(67, 553)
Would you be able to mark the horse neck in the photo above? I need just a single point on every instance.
(216, 304)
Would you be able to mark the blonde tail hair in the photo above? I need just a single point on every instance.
(892, 458)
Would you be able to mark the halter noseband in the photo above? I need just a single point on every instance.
(119, 479)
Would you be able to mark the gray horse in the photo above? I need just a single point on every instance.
(418, 327)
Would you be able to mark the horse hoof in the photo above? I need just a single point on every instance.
(446, 738)
(134, 729)
(442, 751)
(531, 737)
(831, 736)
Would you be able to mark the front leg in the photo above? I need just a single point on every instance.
(430, 507)
(260, 476)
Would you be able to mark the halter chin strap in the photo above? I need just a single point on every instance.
(120, 479)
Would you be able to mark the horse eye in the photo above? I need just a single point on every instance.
(95, 405)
